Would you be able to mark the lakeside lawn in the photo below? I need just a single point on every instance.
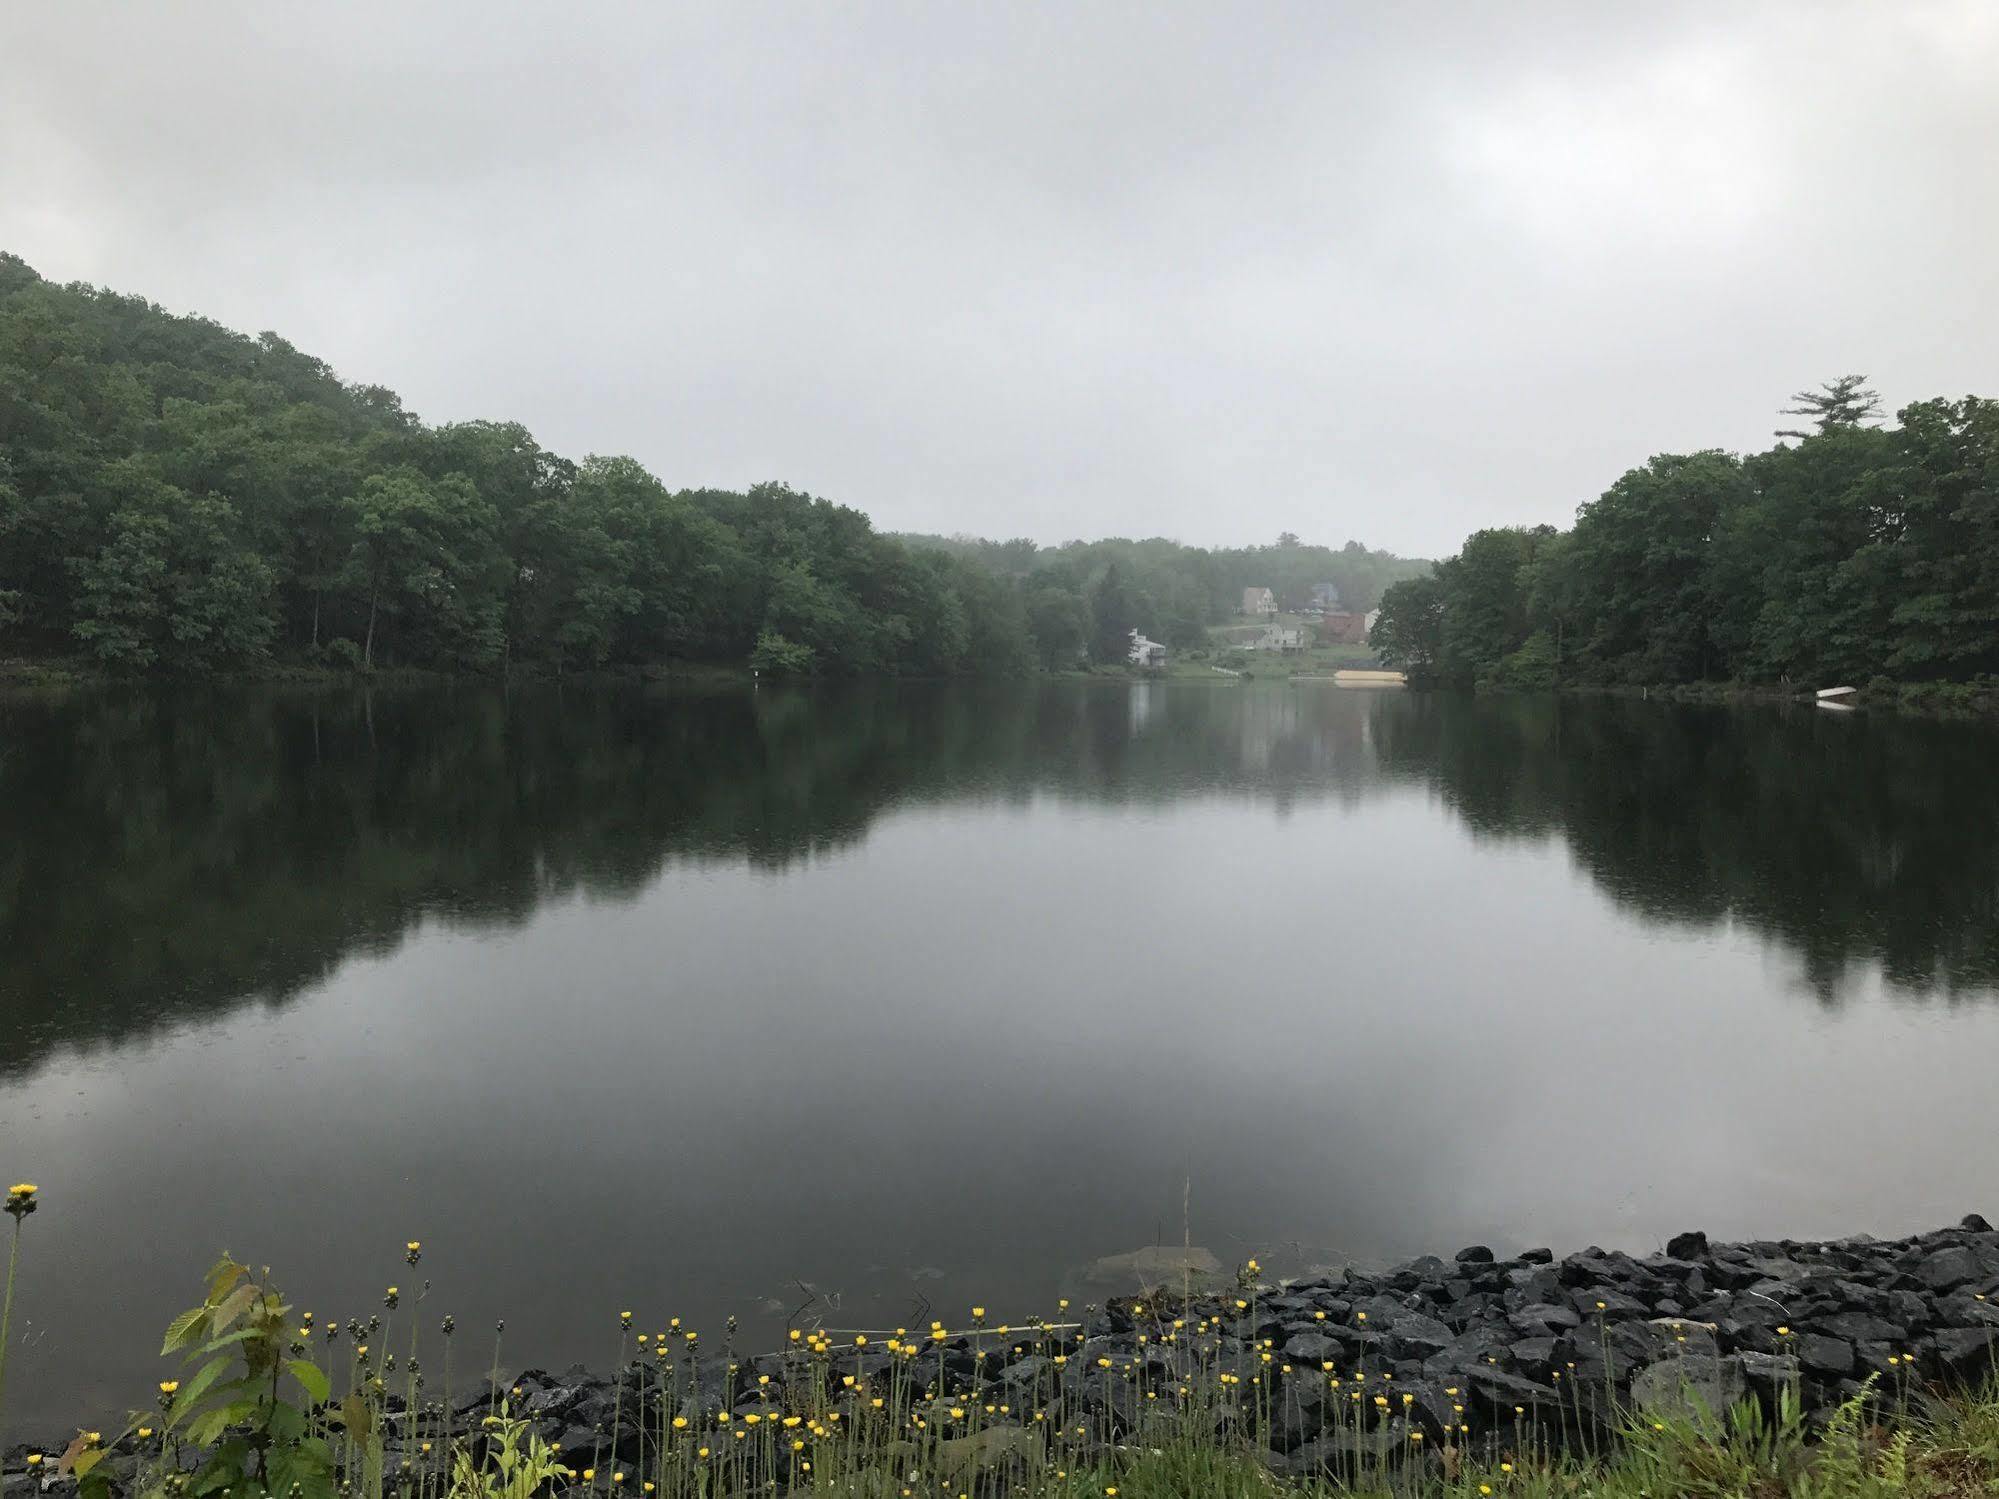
(1225, 650)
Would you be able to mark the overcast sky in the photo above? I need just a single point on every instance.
(1388, 271)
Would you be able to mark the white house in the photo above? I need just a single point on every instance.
(1258, 601)
(1148, 653)
(1279, 638)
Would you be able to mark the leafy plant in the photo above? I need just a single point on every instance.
(518, 1462)
(260, 1418)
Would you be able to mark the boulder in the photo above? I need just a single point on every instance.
(1505, 1391)
(1592, 1302)
(1948, 1269)
(1767, 1373)
(1546, 1319)
(1827, 1357)
(1697, 1387)
(1691, 1245)
(1312, 1349)
(1862, 1327)
(1536, 1357)
(1470, 1348)
(1967, 1353)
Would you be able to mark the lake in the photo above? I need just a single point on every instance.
(878, 1001)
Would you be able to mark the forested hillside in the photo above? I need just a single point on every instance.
(1078, 595)
(1850, 550)
(178, 497)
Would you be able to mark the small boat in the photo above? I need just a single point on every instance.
(1352, 678)
(1829, 694)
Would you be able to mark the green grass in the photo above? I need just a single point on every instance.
(1943, 1449)
(1314, 661)
(1225, 649)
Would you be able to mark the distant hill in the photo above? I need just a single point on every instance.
(178, 497)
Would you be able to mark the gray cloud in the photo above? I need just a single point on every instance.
(1381, 271)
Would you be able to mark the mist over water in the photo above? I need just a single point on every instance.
(926, 994)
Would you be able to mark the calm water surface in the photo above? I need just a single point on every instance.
(901, 998)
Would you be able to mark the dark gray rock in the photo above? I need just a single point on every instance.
(1546, 1319)
(1767, 1372)
(1025, 1373)
(1312, 1348)
(1967, 1311)
(1536, 1357)
(1475, 1346)
(1907, 1308)
(1699, 1387)
(1402, 1325)
(1966, 1353)
(1474, 1254)
(1536, 1284)
(1691, 1245)
(1862, 1327)
(1948, 1269)
(1505, 1391)
(1592, 1302)
(1821, 1355)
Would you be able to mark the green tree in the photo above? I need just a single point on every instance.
(1409, 632)
(1060, 625)
(1936, 557)
(1113, 616)
(425, 547)
(1642, 555)
(1485, 611)
(1845, 402)
(780, 657)
(172, 585)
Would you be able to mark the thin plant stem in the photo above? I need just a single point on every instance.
(7, 1323)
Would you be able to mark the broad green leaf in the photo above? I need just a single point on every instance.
(227, 1340)
(209, 1425)
(190, 1393)
(225, 1275)
(232, 1306)
(184, 1329)
(312, 1379)
(286, 1423)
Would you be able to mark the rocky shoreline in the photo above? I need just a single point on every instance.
(1496, 1352)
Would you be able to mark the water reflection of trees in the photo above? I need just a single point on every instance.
(1848, 840)
(171, 853)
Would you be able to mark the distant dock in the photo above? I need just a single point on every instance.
(1370, 679)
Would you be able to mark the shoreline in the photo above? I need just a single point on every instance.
(1924, 699)
(1486, 1354)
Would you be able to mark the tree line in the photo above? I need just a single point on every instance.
(1849, 551)
(178, 497)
